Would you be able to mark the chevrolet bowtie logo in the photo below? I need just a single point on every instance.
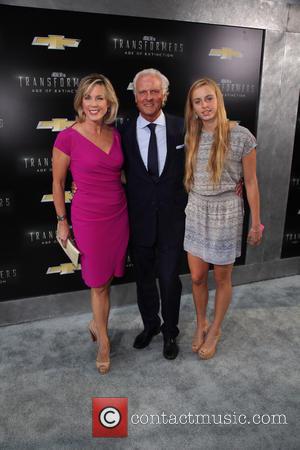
(49, 197)
(63, 269)
(225, 53)
(55, 124)
(56, 42)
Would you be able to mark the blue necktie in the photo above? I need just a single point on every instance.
(152, 152)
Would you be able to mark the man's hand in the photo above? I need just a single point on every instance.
(239, 188)
(123, 177)
(73, 188)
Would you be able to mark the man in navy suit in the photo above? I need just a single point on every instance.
(154, 169)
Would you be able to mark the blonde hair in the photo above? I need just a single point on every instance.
(193, 126)
(85, 86)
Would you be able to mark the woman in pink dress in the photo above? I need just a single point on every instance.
(91, 149)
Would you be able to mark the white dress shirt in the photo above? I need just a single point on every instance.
(143, 137)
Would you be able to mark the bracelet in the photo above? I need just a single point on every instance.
(61, 218)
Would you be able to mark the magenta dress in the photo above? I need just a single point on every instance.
(99, 209)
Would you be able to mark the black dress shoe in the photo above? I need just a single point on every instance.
(145, 337)
(170, 348)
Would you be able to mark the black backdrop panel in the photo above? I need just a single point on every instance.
(291, 238)
(42, 62)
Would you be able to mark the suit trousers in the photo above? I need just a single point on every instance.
(162, 262)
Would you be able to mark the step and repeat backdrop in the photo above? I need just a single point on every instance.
(291, 238)
(42, 61)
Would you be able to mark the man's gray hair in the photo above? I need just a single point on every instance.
(164, 80)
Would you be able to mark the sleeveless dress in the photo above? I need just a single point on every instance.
(99, 209)
(214, 216)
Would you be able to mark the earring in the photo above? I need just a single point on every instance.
(196, 116)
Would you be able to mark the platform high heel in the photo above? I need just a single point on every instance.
(196, 344)
(207, 353)
(102, 366)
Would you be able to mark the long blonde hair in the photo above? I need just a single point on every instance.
(193, 127)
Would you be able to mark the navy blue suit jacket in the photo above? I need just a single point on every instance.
(156, 206)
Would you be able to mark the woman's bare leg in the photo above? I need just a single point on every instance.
(199, 274)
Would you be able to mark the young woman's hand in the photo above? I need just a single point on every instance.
(255, 235)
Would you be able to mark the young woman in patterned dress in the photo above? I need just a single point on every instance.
(218, 153)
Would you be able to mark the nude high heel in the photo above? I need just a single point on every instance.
(210, 352)
(102, 366)
(196, 344)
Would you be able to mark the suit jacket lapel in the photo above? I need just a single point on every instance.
(170, 145)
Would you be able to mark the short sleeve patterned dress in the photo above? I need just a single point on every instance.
(99, 209)
(214, 216)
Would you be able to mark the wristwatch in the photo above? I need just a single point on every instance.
(61, 218)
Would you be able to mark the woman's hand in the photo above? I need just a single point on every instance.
(255, 235)
(63, 232)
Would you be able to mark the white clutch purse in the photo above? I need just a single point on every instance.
(71, 250)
